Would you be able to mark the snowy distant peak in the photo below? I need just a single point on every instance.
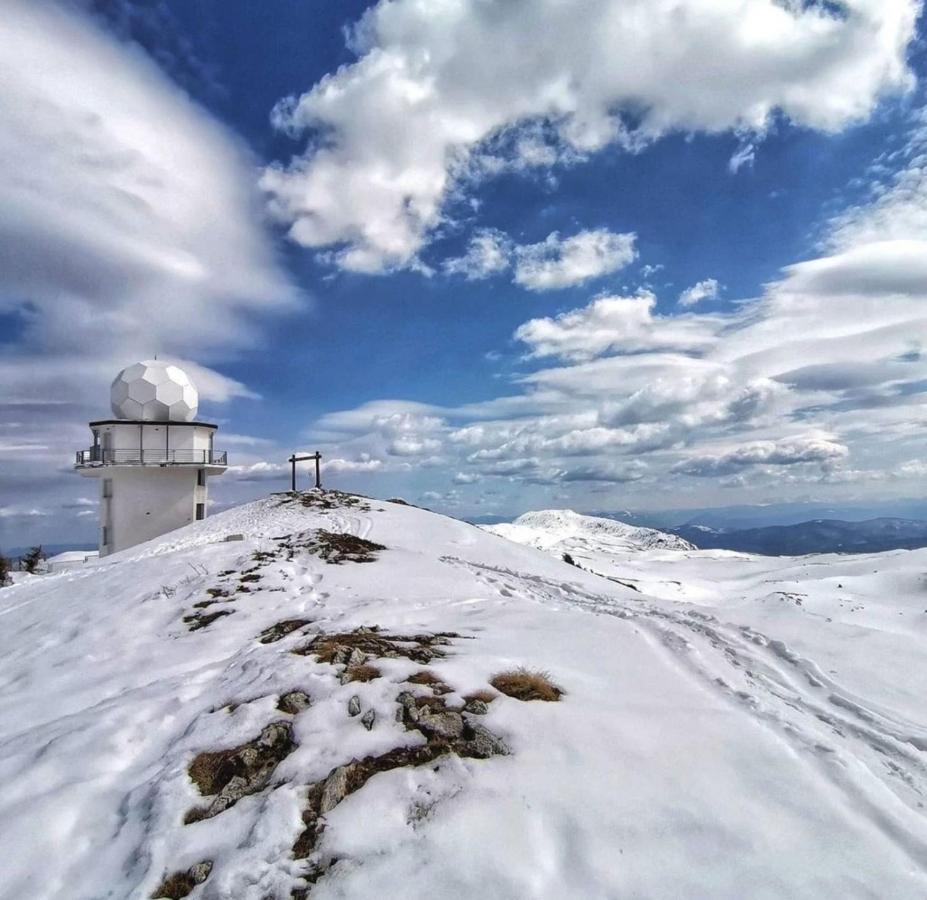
(553, 529)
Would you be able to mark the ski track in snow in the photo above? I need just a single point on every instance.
(774, 685)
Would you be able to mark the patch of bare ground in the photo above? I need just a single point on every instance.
(526, 684)
(229, 775)
(251, 577)
(201, 620)
(446, 731)
(352, 648)
(336, 547)
(180, 884)
(325, 500)
(279, 630)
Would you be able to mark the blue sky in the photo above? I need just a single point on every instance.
(487, 256)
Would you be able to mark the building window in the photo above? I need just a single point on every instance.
(107, 487)
(201, 477)
(200, 511)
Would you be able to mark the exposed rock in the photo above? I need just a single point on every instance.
(482, 743)
(354, 706)
(356, 657)
(476, 707)
(447, 725)
(335, 789)
(202, 620)
(294, 702)
(180, 884)
(281, 629)
(368, 643)
(445, 731)
(229, 775)
(368, 718)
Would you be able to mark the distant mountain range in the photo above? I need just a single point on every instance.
(816, 536)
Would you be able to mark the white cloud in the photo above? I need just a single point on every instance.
(130, 225)
(363, 464)
(816, 385)
(744, 155)
(615, 323)
(488, 253)
(559, 263)
(436, 90)
(701, 290)
(121, 202)
(548, 265)
(129, 221)
(786, 452)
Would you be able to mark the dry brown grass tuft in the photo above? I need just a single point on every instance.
(526, 684)
(424, 676)
(361, 672)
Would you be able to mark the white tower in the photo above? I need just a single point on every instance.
(152, 459)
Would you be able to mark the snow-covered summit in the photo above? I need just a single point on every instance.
(560, 530)
(292, 698)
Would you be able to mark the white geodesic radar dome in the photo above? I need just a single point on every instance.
(154, 391)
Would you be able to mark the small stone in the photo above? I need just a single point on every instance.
(233, 537)
(476, 707)
(354, 706)
(368, 719)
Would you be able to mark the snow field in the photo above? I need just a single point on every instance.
(726, 749)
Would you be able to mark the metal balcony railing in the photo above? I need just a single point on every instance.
(97, 456)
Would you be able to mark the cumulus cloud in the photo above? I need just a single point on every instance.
(701, 290)
(554, 263)
(437, 89)
(564, 262)
(817, 383)
(614, 323)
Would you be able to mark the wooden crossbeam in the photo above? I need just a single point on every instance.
(309, 456)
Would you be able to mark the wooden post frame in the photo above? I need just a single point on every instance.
(305, 458)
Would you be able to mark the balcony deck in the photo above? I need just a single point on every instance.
(96, 456)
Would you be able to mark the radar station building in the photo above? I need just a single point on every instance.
(152, 459)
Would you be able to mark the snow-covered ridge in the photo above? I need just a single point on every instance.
(558, 529)
(730, 724)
